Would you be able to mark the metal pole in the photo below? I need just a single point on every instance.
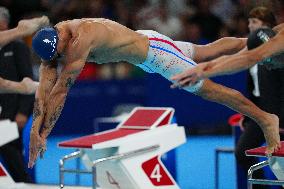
(216, 169)
(253, 168)
(61, 173)
(61, 165)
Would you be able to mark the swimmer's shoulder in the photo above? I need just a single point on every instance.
(62, 23)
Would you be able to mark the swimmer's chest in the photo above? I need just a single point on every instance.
(103, 56)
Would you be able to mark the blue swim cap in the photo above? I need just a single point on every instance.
(45, 42)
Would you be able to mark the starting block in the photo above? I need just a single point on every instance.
(129, 156)
(275, 162)
(8, 133)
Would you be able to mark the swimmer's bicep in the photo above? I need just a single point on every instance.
(75, 60)
(68, 76)
(77, 50)
(83, 41)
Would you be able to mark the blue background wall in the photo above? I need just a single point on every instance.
(90, 99)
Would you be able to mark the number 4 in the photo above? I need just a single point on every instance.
(156, 174)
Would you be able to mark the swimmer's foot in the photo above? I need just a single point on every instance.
(270, 129)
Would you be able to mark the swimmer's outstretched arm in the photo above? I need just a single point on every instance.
(223, 46)
(278, 28)
(211, 68)
(24, 28)
(231, 64)
(26, 86)
(48, 78)
(246, 59)
(58, 95)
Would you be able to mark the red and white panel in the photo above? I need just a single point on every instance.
(157, 173)
(148, 118)
(2, 171)
(5, 178)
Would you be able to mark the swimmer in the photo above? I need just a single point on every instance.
(102, 41)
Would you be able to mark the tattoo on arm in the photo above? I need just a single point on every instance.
(37, 111)
(76, 72)
(69, 82)
(55, 116)
(52, 120)
(52, 81)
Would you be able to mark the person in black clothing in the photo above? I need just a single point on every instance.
(266, 89)
(15, 64)
(24, 28)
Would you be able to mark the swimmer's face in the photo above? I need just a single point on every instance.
(254, 24)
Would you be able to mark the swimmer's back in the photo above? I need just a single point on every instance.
(119, 41)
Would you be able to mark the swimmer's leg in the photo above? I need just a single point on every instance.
(269, 123)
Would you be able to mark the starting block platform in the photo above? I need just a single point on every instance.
(129, 156)
(275, 162)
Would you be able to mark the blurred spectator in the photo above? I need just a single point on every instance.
(210, 23)
(176, 7)
(241, 26)
(192, 32)
(145, 12)
(101, 9)
(68, 9)
(124, 13)
(164, 23)
(224, 32)
(15, 65)
(225, 9)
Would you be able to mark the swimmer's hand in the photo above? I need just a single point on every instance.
(29, 26)
(37, 147)
(29, 85)
(191, 76)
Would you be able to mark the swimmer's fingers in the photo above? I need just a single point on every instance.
(189, 81)
(183, 75)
